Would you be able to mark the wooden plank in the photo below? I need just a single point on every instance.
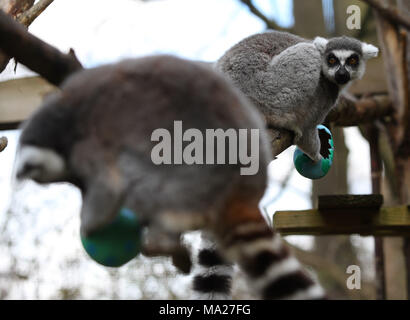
(20, 98)
(350, 201)
(392, 221)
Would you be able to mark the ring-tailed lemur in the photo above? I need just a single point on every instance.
(294, 82)
(97, 134)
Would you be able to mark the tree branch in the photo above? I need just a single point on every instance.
(352, 113)
(55, 66)
(281, 139)
(392, 14)
(27, 17)
(34, 53)
(25, 13)
(3, 143)
(15, 7)
(347, 113)
(270, 24)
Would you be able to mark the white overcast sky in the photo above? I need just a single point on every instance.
(103, 31)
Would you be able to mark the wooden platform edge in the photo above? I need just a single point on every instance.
(19, 98)
(388, 221)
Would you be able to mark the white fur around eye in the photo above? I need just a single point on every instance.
(369, 51)
(342, 55)
(320, 43)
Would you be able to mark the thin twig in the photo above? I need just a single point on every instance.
(351, 113)
(3, 143)
(270, 24)
(34, 53)
(392, 14)
(15, 7)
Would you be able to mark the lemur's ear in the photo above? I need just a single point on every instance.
(369, 51)
(320, 43)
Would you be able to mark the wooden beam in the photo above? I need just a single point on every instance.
(393, 221)
(350, 201)
(20, 98)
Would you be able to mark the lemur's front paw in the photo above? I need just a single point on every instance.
(319, 166)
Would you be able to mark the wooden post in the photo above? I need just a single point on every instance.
(394, 46)
(387, 221)
(376, 176)
(403, 150)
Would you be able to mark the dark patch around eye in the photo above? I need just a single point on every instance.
(353, 60)
(332, 60)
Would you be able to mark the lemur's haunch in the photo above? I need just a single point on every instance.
(96, 133)
(293, 81)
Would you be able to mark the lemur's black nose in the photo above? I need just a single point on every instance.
(342, 76)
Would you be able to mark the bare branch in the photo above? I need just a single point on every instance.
(55, 66)
(27, 17)
(12, 8)
(3, 143)
(390, 13)
(15, 7)
(34, 53)
(352, 113)
(25, 13)
(270, 24)
(347, 113)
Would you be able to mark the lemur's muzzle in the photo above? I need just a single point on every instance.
(342, 76)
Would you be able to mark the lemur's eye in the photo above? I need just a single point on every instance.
(353, 61)
(331, 60)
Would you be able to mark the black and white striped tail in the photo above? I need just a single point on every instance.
(213, 277)
(272, 270)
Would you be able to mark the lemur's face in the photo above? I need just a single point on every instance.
(342, 66)
(344, 59)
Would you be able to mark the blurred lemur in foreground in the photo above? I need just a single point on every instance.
(97, 134)
(294, 82)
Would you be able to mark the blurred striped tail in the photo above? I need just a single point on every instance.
(213, 278)
(273, 272)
